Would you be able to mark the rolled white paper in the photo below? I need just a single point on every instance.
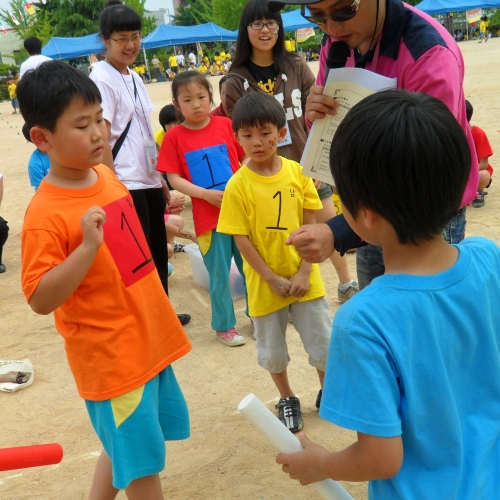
(285, 442)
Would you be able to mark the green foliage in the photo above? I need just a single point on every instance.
(494, 21)
(194, 12)
(227, 14)
(67, 18)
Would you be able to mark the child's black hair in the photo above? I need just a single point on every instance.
(118, 18)
(187, 78)
(468, 110)
(169, 114)
(26, 132)
(33, 46)
(46, 92)
(404, 156)
(257, 110)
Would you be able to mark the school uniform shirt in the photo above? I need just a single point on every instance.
(119, 107)
(207, 157)
(267, 209)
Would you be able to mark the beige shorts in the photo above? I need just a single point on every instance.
(310, 318)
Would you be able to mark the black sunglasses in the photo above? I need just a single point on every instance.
(337, 16)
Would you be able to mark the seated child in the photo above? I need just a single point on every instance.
(39, 163)
(263, 203)
(168, 118)
(120, 330)
(413, 364)
(484, 151)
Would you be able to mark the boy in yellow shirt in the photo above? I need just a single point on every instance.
(263, 203)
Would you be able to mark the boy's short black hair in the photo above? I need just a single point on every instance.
(33, 46)
(168, 114)
(468, 110)
(405, 156)
(256, 110)
(47, 91)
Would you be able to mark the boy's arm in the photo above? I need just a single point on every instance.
(58, 284)
(300, 280)
(279, 285)
(483, 163)
(369, 458)
(184, 186)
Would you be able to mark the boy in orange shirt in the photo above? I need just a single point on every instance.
(85, 258)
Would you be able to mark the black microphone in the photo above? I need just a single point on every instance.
(337, 57)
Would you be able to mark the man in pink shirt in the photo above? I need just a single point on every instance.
(392, 39)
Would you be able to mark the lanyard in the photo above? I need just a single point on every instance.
(134, 99)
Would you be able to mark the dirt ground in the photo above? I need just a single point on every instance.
(225, 458)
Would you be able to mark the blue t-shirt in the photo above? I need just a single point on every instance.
(418, 356)
(38, 167)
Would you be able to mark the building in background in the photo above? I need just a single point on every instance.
(10, 42)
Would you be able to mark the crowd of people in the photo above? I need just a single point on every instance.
(99, 230)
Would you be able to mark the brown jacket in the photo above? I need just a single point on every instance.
(294, 84)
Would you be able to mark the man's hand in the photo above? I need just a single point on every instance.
(92, 221)
(214, 197)
(313, 242)
(304, 466)
(319, 105)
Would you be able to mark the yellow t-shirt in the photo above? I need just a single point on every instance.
(173, 61)
(288, 45)
(482, 27)
(12, 90)
(267, 210)
(202, 69)
(159, 135)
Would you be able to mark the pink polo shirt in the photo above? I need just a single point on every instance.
(423, 57)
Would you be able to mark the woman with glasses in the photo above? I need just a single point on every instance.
(391, 39)
(126, 109)
(261, 64)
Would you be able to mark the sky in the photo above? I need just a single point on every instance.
(150, 4)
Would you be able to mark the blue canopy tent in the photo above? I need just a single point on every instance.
(445, 6)
(71, 48)
(166, 35)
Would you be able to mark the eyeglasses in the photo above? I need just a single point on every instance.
(270, 25)
(125, 41)
(337, 16)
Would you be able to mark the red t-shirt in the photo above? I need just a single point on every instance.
(207, 157)
(483, 146)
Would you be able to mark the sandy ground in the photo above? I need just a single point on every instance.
(225, 458)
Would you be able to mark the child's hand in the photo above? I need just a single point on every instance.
(176, 200)
(214, 197)
(305, 465)
(279, 285)
(92, 221)
(300, 284)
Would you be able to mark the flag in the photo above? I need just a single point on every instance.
(14, 18)
(29, 8)
(304, 33)
(473, 15)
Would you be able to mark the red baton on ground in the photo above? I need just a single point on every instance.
(24, 457)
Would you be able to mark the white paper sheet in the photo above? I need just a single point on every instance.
(348, 86)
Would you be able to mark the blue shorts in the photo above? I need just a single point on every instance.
(133, 427)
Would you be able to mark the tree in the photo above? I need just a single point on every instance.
(78, 17)
(194, 12)
(227, 14)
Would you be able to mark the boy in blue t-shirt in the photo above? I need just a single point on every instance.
(413, 364)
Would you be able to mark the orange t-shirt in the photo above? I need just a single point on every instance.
(119, 327)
